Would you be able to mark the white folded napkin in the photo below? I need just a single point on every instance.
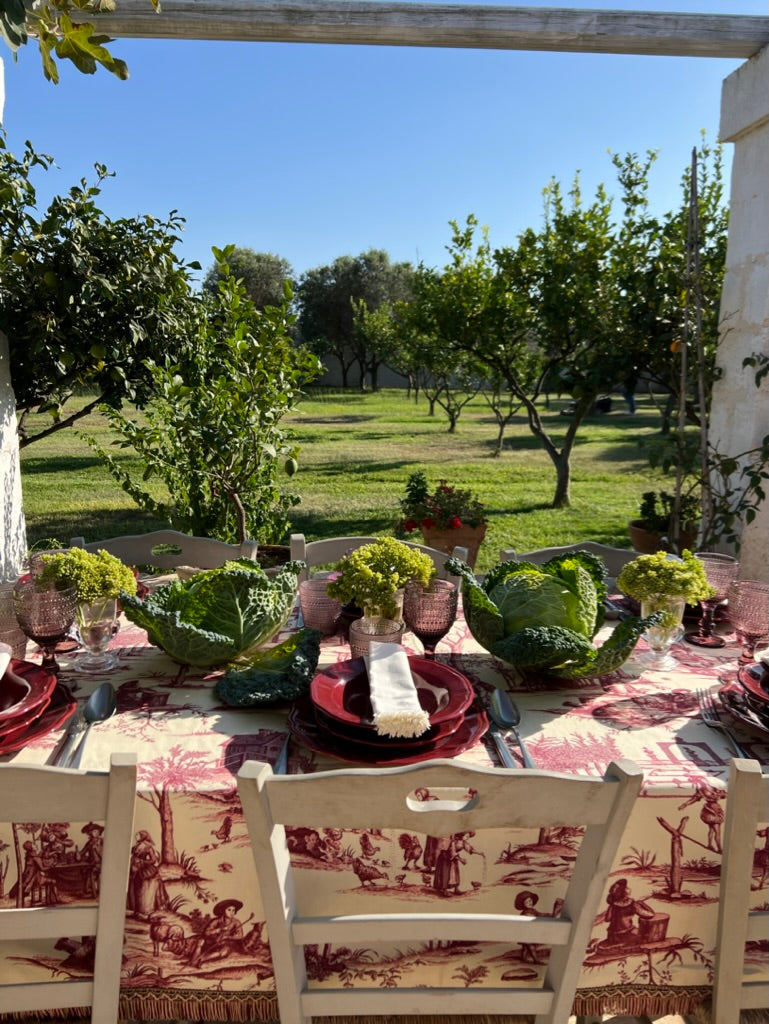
(5, 658)
(394, 700)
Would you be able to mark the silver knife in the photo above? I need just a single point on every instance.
(503, 750)
(281, 764)
(71, 739)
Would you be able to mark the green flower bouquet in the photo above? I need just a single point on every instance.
(371, 575)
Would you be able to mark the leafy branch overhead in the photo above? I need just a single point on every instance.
(61, 36)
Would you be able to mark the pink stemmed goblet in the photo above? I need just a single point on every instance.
(749, 614)
(720, 571)
(45, 613)
(430, 612)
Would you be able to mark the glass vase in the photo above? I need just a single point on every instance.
(96, 624)
(392, 608)
(661, 637)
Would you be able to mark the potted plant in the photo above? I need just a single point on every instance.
(447, 516)
(662, 582)
(98, 578)
(653, 529)
(373, 576)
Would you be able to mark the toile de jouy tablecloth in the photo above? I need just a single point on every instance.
(195, 943)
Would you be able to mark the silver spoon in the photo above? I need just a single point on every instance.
(100, 706)
(506, 717)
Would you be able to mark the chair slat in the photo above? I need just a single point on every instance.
(393, 927)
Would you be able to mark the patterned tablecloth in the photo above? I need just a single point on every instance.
(195, 941)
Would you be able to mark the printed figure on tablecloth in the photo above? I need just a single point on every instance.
(634, 929)
(146, 889)
(447, 877)
(620, 915)
(525, 904)
(711, 814)
(91, 855)
(222, 935)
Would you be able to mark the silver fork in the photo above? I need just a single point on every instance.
(710, 716)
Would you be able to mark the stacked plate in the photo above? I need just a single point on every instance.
(336, 719)
(747, 696)
(32, 704)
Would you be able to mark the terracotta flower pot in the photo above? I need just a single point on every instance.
(469, 537)
(647, 542)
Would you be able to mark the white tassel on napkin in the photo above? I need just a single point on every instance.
(394, 700)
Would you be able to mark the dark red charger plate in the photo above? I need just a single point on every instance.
(755, 679)
(305, 727)
(341, 691)
(61, 707)
(371, 738)
(31, 685)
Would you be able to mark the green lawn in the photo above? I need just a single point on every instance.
(357, 451)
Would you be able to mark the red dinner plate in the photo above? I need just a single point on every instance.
(735, 700)
(24, 688)
(305, 728)
(371, 738)
(341, 691)
(755, 679)
(61, 707)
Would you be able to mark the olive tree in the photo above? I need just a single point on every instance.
(263, 274)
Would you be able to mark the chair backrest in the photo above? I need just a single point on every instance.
(484, 798)
(747, 807)
(613, 558)
(331, 549)
(44, 795)
(168, 549)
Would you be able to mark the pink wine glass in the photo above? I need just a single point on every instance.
(749, 614)
(430, 612)
(720, 572)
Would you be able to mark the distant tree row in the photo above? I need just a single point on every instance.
(601, 295)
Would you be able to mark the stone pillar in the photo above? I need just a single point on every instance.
(740, 411)
(13, 537)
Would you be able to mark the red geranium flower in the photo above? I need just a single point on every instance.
(410, 525)
(454, 523)
(428, 523)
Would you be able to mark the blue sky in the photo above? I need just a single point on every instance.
(314, 152)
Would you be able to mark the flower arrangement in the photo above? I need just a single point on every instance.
(370, 576)
(94, 576)
(661, 574)
(447, 508)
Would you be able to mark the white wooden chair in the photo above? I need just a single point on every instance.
(331, 549)
(613, 558)
(40, 794)
(385, 798)
(747, 807)
(168, 549)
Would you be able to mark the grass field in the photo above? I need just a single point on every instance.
(357, 451)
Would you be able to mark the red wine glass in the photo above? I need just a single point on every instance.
(430, 612)
(720, 572)
(45, 613)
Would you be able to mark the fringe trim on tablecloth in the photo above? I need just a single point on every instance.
(641, 1000)
(157, 1004)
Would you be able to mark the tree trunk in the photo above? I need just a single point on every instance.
(561, 498)
(13, 534)
(167, 851)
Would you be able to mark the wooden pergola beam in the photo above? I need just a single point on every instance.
(440, 25)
